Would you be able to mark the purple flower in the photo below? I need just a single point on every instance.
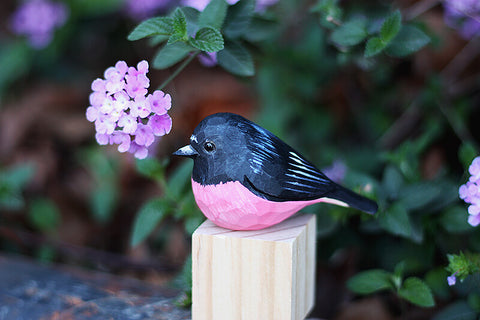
(123, 113)
(159, 102)
(160, 124)
(141, 9)
(208, 59)
(452, 279)
(197, 4)
(470, 193)
(463, 15)
(336, 171)
(201, 4)
(37, 20)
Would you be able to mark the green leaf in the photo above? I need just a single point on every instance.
(235, 58)
(208, 40)
(149, 215)
(191, 14)
(104, 194)
(17, 176)
(454, 220)
(238, 18)
(474, 301)
(180, 179)
(11, 199)
(179, 24)
(391, 26)
(12, 181)
(156, 40)
(396, 220)
(151, 167)
(176, 37)
(408, 40)
(374, 46)
(95, 8)
(466, 154)
(420, 194)
(15, 61)
(417, 292)
(370, 281)
(171, 54)
(392, 182)
(159, 26)
(213, 15)
(350, 33)
(436, 280)
(192, 223)
(259, 29)
(44, 215)
(459, 310)
(103, 200)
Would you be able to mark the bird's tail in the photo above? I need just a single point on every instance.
(354, 200)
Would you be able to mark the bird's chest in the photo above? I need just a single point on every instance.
(231, 205)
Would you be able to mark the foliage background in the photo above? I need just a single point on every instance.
(403, 125)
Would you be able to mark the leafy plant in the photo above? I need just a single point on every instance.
(177, 202)
(187, 32)
(411, 289)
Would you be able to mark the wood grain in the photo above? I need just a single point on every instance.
(262, 274)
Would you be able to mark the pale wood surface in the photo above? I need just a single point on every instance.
(263, 274)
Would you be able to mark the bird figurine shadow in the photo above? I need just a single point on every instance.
(246, 178)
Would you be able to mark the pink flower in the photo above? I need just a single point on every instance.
(123, 113)
(160, 124)
(128, 123)
(142, 68)
(140, 107)
(470, 193)
(136, 87)
(159, 102)
(144, 135)
(122, 139)
(140, 152)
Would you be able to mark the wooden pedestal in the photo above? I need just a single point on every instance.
(263, 274)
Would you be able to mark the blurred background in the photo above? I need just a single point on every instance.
(401, 128)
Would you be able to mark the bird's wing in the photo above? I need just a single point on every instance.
(279, 173)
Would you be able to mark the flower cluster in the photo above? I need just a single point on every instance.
(123, 112)
(463, 15)
(38, 19)
(470, 192)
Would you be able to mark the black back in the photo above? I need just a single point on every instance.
(262, 162)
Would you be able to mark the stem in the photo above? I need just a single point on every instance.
(419, 8)
(334, 21)
(461, 60)
(178, 70)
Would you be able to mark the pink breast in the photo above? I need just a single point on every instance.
(231, 205)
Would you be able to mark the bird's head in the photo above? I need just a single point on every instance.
(218, 148)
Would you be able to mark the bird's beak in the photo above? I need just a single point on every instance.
(186, 151)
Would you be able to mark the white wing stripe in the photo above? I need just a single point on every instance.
(311, 170)
(302, 175)
(301, 185)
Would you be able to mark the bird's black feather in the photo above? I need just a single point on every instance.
(262, 162)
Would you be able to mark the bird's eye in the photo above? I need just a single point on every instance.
(209, 146)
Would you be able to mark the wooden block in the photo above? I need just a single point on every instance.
(262, 274)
